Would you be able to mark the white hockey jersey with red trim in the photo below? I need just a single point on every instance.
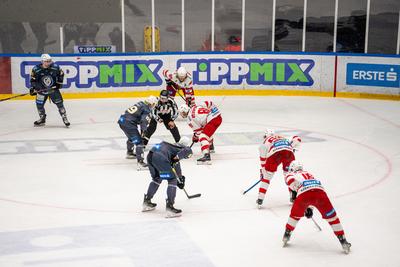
(273, 144)
(302, 181)
(185, 84)
(202, 114)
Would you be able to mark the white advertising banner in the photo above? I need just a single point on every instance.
(119, 73)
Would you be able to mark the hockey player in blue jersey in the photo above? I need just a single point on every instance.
(138, 114)
(163, 160)
(46, 81)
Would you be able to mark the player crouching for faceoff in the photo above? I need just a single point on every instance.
(46, 81)
(163, 160)
(180, 80)
(204, 119)
(138, 114)
(310, 193)
(275, 150)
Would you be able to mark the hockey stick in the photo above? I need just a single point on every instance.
(184, 99)
(316, 224)
(11, 97)
(251, 187)
(184, 190)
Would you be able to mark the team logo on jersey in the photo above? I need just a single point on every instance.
(252, 71)
(103, 74)
(47, 81)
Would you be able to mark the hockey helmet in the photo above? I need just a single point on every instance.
(164, 95)
(295, 166)
(45, 57)
(183, 110)
(181, 73)
(151, 101)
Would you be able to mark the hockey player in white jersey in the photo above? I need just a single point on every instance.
(204, 119)
(310, 193)
(180, 80)
(274, 151)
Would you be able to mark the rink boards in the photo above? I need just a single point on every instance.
(125, 75)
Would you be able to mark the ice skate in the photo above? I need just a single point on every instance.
(147, 204)
(65, 120)
(141, 165)
(259, 203)
(205, 160)
(172, 211)
(345, 245)
(41, 121)
(130, 154)
(286, 237)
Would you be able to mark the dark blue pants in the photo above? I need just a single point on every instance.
(55, 97)
(134, 139)
(160, 169)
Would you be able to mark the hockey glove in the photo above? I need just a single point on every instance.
(309, 213)
(195, 138)
(32, 91)
(293, 195)
(181, 182)
(190, 101)
(169, 82)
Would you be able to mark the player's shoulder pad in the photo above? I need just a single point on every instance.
(36, 68)
(55, 66)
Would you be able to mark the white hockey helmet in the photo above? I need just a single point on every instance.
(268, 133)
(45, 57)
(183, 110)
(295, 166)
(181, 73)
(184, 141)
(151, 101)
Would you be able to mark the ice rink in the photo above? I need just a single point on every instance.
(69, 198)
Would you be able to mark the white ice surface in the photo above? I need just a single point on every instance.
(49, 197)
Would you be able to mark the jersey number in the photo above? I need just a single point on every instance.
(307, 176)
(132, 109)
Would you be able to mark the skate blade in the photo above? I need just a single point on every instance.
(39, 125)
(204, 163)
(173, 215)
(284, 244)
(146, 209)
(142, 168)
(259, 207)
(346, 249)
(130, 157)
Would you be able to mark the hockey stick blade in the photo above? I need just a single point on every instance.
(194, 196)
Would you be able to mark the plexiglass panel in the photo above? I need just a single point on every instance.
(228, 25)
(169, 20)
(320, 25)
(137, 17)
(383, 26)
(198, 25)
(351, 26)
(289, 25)
(258, 25)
